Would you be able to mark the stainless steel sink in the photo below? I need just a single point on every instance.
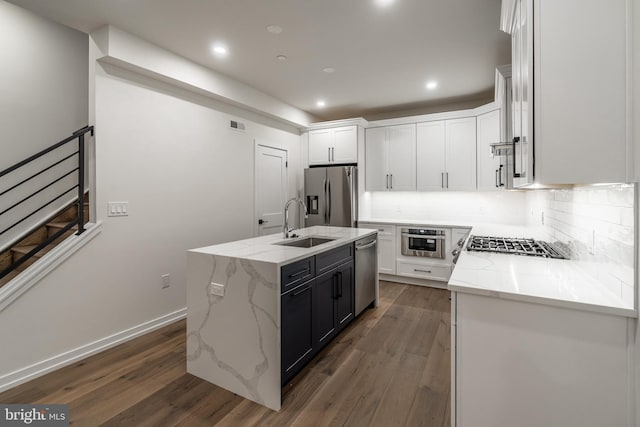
(307, 242)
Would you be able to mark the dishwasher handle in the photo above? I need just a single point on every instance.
(367, 246)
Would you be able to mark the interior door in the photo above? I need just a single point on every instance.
(315, 196)
(271, 189)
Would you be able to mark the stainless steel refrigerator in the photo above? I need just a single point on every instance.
(331, 195)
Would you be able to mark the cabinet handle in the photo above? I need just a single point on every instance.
(447, 179)
(441, 179)
(500, 183)
(333, 154)
(391, 180)
(387, 183)
(295, 294)
(298, 273)
(497, 170)
(329, 153)
(417, 270)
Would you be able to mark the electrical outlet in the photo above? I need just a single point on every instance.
(166, 280)
(118, 209)
(216, 289)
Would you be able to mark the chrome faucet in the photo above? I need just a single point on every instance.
(288, 229)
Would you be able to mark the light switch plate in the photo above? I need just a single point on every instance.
(118, 209)
(216, 289)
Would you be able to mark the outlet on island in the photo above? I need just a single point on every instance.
(216, 289)
(165, 280)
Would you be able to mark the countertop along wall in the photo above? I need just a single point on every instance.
(597, 223)
(188, 179)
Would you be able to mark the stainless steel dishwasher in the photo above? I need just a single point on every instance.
(366, 272)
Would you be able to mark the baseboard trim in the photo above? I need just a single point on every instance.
(38, 369)
(39, 270)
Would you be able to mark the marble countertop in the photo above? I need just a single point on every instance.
(562, 283)
(266, 249)
(437, 223)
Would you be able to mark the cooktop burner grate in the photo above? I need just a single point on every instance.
(517, 246)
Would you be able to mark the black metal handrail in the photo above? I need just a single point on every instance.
(78, 135)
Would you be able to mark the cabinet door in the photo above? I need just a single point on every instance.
(460, 154)
(490, 175)
(320, 143)
(401, 153)
(375, 174)
(345, 303)
(345, 145)
(296, 323)
(430, 156)
(325, 290)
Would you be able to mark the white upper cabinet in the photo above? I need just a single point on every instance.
(576, 53)
(390, 159)
(491, 173)
(333, 146)
(430, 155)
(446, 155)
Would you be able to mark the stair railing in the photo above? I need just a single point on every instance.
(78, 136)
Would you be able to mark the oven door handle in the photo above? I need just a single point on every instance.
(424, 236)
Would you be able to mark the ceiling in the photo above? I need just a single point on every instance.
(382, 55)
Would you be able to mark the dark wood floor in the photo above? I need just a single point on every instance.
(390, 367)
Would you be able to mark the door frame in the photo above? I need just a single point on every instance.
(261, 143)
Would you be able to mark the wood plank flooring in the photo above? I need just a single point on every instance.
(390, 367)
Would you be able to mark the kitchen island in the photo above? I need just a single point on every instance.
(538, 341)
(234, 318)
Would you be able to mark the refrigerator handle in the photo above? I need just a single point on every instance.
(329, 205)
(325, 200)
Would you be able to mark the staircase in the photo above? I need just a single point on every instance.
(39, 235)
(36, 180)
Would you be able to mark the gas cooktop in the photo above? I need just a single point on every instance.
(516, 246)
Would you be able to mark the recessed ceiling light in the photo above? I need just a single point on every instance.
(431, 85)
(274, 29)
(281, 58)
(384, 3)
(329, 70)
(321, 103)
(220, 50)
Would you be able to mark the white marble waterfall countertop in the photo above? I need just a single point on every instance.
(266, 249)
(563, 283)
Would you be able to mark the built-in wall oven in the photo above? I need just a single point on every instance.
(423, 242)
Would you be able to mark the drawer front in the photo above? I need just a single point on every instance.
(327, 260)
(383, 229)
(297, 272)
(422, 271)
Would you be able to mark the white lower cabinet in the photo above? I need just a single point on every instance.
(386, 246)
(423, 271)
(529, 365)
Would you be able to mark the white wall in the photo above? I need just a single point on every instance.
(502, 207)
(43, 82)
(189, 182)
(43, 99)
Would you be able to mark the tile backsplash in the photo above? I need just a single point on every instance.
(597, 225)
